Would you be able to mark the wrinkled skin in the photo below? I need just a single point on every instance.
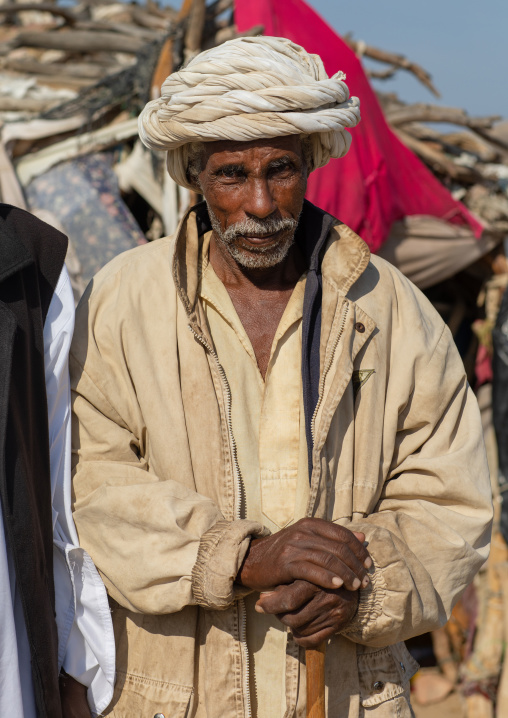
(313, 614)
(313, 550)
(314, 569)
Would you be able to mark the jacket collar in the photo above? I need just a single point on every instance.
(189, 240)
(14, 256)
(340, 262)
(330, 248)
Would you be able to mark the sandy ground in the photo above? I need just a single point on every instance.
(451, 707)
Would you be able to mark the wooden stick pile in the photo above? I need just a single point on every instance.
(101, 61)
(471, 159)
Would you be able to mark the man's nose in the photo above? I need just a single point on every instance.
(259, 201)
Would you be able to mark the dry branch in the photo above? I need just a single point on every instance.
(81, 41)
(493, 139)
(458, 142)
(151, 21)
(57, 11)
(195, 27)
(122, 28)
(63, 82)
(437, 160)
(162, 38)
(82, 70)
(469, 142)
(382, 74)
(165, 61)
(393, 59)
(25, 104)
(433, 113)
(230, 33)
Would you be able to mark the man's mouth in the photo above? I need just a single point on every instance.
(255, 236)
(259, 239)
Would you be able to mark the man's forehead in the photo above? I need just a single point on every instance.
(232, 151)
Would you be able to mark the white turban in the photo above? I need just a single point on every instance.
(247, 89)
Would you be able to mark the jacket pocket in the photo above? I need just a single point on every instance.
(142, 697)
(384, 677)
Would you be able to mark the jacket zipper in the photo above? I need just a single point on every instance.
(325, 374)
(238, 509)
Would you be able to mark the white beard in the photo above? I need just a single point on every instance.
(256, 257)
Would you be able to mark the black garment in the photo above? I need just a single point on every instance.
(500, 404)
(312, 233)
(31, 258)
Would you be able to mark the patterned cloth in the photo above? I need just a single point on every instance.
(84, 195)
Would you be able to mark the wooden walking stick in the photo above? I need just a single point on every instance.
(315, 663)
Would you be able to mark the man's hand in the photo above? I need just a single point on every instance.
(73, 698)
(313, 614)
(320, 552)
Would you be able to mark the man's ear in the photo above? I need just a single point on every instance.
(195, 186)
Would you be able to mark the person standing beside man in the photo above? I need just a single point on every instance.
(274, 442)
(43, 572)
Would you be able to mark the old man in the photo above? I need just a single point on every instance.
(275, 442)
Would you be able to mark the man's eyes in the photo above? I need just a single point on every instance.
(281, 170)
(235, 173)
(231, 172)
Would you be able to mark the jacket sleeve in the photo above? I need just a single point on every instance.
(430, 531)
(158, 545)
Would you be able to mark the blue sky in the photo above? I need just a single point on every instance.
(463, 44)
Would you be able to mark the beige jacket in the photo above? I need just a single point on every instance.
(398, 454)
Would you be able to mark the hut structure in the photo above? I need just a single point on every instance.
(73, 79)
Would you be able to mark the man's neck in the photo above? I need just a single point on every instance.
(259, 296)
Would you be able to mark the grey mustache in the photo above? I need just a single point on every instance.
(259, 227)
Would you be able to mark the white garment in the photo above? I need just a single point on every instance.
(85, 634)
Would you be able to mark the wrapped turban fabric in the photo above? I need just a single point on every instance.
(248, 89)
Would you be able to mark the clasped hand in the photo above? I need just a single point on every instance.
(308, 575)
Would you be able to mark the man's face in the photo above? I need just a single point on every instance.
(254, 192)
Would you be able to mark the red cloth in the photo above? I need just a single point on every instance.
(380, 180)
(483, 367)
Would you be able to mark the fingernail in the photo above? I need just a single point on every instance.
(368, 562)
(356, 583)
(365, 581)
(258, 608)
(337, 581)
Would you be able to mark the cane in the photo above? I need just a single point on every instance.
(315, 663)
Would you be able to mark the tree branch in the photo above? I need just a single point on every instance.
(393, 59)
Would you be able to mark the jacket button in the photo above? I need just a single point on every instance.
(360, 327)
(159, 715)
(378, 686)
(403, 667)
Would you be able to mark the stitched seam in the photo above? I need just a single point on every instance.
(153, 681)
